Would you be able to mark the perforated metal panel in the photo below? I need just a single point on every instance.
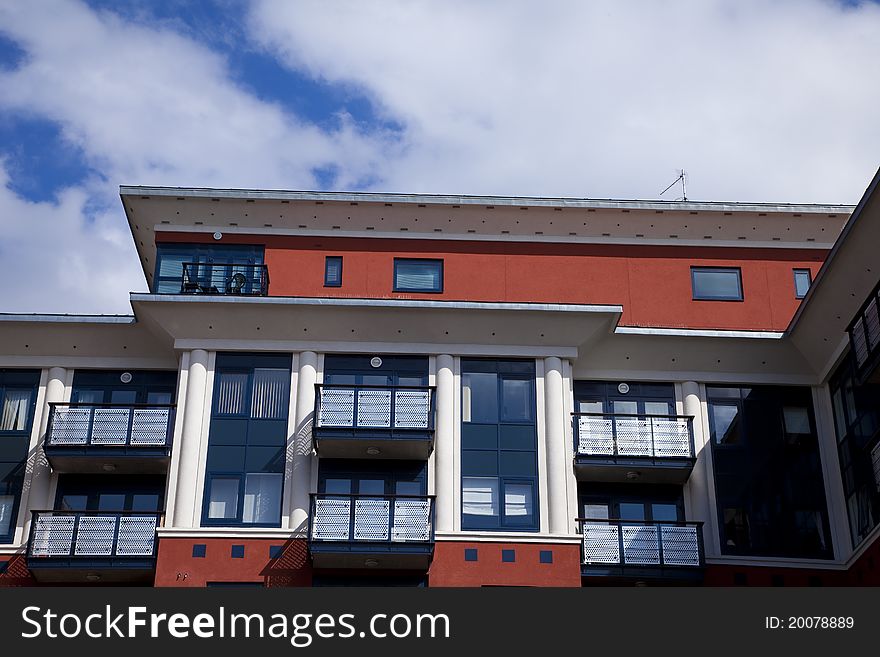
(110, 426)
(52, 535)
(595, 435)
(412, 520)
(671, 437)
(371, 520)
(860, 343)
(332, 519)
(137, 536)
(149, 426)
(70, 426)
(875, 461)
(374, 408)
(872, 324)
(633, 436)
(94, 535)
(412, 409)
(337, 407)
(601, 543)
(681, 546)
(640, 544)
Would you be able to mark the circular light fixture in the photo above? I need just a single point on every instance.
(623, 388)
(218, 235)
(373, 451)
(125, 377)
(375, 361)
(93, 577)
(632, 475)
(108, 467)
(371, 563)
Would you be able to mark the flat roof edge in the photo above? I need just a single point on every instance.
(70, 319)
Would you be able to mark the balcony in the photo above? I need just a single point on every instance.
(101, 438)
(371, 531)
(864, 338)
(93, 546)
(645, 448)
(667, 551)
(360, 421)
(225, 278)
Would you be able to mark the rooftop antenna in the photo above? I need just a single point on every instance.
(682, 177)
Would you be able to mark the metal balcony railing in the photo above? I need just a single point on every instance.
(225, 278)
(110, 425)
(633, 436)
(643, 544)
(374, 407)
(864, 332)
(93, 534)
(371, 518)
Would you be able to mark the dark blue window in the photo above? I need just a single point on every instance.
(333, 271)
(275, 551)
(470, 554)
(499, 449)
(18, 394)
(413, 275)
(508, 556)
(207, 264)
(546, 556)
(199, 551)
(238, 551)
(802, 281)
(246, 446)
(717, 283)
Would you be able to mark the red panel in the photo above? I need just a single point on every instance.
(176, 565)
(16, 572)
(450, 569)
(652, 283)
(718, 575)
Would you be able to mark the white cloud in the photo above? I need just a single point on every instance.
(758, 100)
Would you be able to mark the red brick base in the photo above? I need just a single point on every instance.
(450, 568)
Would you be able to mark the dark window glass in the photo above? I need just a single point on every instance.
(223, 497)
(209, 267)
(111, 502)
(717, 283)
(145, 502)
(333, 271)
(769, 490)
(802, 281)
(499, 445)
(418, 275)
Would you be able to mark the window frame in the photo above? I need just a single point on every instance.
(433, 261)
(327, 260)
(809, 274)
(735, 270)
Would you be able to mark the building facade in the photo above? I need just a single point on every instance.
(344, 389)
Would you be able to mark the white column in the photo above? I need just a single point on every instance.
(191, 440)
(838, 517)
(699, 487)
(301, 475)
(554, 418)
(41, 475)
(444, 444)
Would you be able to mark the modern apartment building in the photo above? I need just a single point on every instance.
(351, 389)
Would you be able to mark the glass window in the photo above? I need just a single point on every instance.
(657, 408)
(479, 496)
(418, 275)
(262, 498)
(145, 502)
(716, 283)
(631, 511)
(15, 410)
(88, 396)
(596, 511)
(158, 398)
(802, 281)
(231, 393)
(408, 488)
(518, 502)
(371, 486)
(479, 397)
(74, 502)
(516, 400)
(797, 420)
(337, 486)
(123, 397)
(725, 423)
(664, 512)
(590, 407)
(223, 498)
(625, 407)
(7, 506)
(333, 271)
(271, 397)
(111, 502)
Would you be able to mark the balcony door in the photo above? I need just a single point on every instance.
(110, 493)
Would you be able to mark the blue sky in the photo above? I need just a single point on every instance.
(763, 100)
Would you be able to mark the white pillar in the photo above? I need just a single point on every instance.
(301, 470)
(554, 418)
(41, 475)
(191, 440)
(444, 444)
(699, 485)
